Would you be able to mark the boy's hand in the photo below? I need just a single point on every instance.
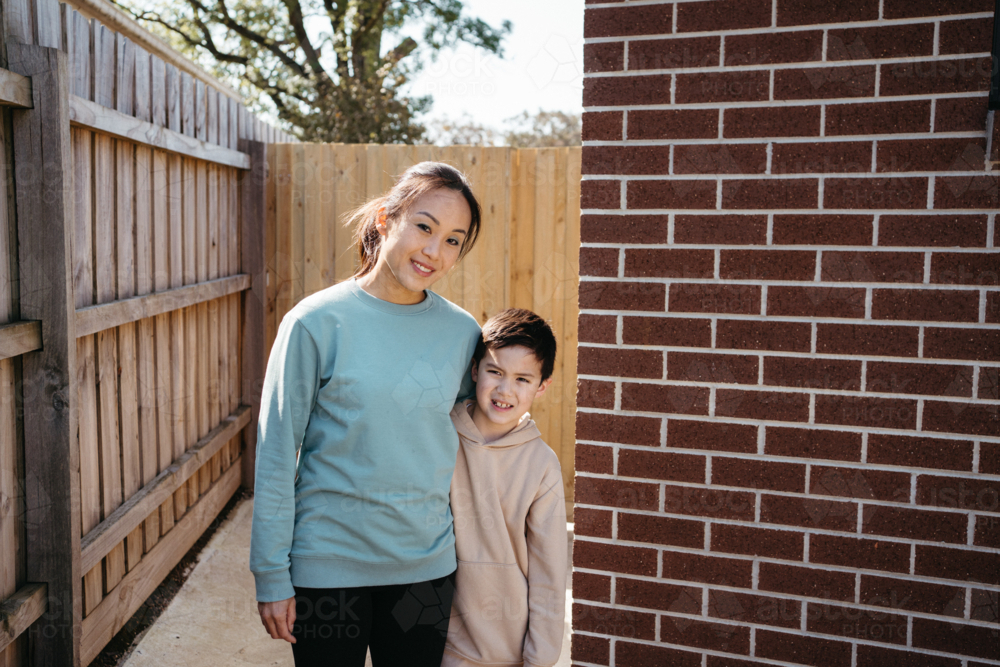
(278, 618)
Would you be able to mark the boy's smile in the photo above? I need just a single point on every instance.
(507, 379)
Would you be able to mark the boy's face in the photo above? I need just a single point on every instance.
(507, 381)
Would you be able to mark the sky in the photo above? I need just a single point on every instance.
(542, 68)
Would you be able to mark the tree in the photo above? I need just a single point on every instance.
(543, 129)
(461, 131)
(322, 63)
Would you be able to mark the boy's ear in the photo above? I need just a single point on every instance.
(475, 369)
(543, 386)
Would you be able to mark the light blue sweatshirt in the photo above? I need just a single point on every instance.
(364, 387)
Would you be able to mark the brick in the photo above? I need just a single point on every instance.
(843, 374)
(706, 569)
(989, 458)
(974, 419)
(749, 541)
(592, 523)
(810, 444)
(677, 193)
(968, 231)
(966, 268)
(594, 458)
(810, 13)
(775, 336)
(869, 554)
(866, 411)
(976, 344)
(699, 634)
(912, 524)
(721, 229)
(591, 618)
(806, 229)
(597, 328)
(896, 41)
(607, 295)
(587, 586)
(661, 530)
(620, 363)
(957, 564)
(925, 305)
(875, 193)
(600, 194)
(673, 53)
(614, 558)
(856, 623)
(628, 21)
(665, 466)
(964, 75)
(672, 399)
(867, 339)
(964, 494)
(723, 15)
(624, 228)
(928, 379)
(587, 648)
(709, 502)
(806, 581)
(753, 474)
(645, 655)
(873, 267)
(707, 367)
(595, 394)
(604, 57)
(768, 48)
(676, 331)
(901, 117)
(712, 436)
(759, 122)
(863, 483)
(987, 531)
(599, 262)
(630, 160)
(650, 594)
(617, 493)
(767, 265)
(602, 125)
(900, 9)
(960, 114)
(716, 87)
(808, 512)
(802, 650)
(919, 452)
(822, 158)
(720, 159)
(817, 83)
(912, 595)
(673, 124)
(745, 608)
(770, 193)
(930, 155)
(714, 298)
(784, 300)
(627, 90)
(777, 405)
(989, 379)
(953, 637)
(878, 656)
(617, 428)
(669, 263)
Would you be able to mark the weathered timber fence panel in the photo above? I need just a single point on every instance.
(527, 254)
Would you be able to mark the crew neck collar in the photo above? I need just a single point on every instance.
(389, 306)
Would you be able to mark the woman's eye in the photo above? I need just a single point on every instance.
(453, 242)
(424, 227)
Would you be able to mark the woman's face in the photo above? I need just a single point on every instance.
(424, 243)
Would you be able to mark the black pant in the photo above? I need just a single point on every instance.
(403, 624)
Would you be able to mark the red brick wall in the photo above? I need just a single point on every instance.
(788, 436)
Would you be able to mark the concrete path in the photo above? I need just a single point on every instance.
(213, 622)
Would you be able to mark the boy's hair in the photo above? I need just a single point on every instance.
(517, 326)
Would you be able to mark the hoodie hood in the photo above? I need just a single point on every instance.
(468, 432)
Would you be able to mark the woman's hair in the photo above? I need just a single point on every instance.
(419, 179)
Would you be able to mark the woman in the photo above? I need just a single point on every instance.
(352, 544)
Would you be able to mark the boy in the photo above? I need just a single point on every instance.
(508, 505)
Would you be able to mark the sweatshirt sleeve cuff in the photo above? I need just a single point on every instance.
(274, 585)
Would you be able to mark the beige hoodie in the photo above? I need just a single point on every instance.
(510, 537)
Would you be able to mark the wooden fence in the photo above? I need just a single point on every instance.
(131, 257)
(527, 254)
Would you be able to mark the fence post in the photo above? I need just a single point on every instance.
(252, 220)
(43, 185)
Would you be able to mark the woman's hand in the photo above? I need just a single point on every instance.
(278, 618)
